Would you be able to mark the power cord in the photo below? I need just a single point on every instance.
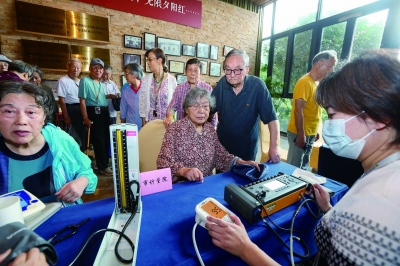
(134, 208)
(291, 229)
(195, 245)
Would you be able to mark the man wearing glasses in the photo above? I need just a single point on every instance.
(242, 100)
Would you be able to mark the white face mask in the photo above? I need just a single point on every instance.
(333, 133)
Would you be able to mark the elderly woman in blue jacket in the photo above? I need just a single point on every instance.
(36, 155)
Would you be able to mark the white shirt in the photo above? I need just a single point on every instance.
(111, 88)
(68, 89)
(367, 218)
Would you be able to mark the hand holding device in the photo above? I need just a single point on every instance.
(211, 207)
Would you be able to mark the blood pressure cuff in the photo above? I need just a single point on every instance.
(20, 239)
(250, 172)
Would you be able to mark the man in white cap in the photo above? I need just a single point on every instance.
(94, 109)
(4, 61)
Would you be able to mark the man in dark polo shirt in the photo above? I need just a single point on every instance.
(242, 100)
(94, 109)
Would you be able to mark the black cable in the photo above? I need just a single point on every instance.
(134, 208)
(290, 229)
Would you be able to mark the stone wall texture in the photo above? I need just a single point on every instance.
(222, 24)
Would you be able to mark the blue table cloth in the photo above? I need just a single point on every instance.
(167, 223)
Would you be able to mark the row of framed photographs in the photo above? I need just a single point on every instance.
(176, 66)
(174, 47)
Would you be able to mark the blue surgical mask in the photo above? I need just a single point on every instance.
(333, 133)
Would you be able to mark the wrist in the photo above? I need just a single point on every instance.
(327, 209)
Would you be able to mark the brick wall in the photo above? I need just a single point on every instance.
(222, 24)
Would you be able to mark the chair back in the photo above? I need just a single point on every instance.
(150, 140)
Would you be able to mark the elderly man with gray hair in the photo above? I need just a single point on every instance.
(191, 147)
(242, 101)
(17, 71)
(67, 90)
(110, 88)
(306, 113)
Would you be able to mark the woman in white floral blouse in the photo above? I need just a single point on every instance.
(191, 147)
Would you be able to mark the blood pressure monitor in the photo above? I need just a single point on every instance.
(211, 207)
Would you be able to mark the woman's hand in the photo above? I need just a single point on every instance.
(253, 163)
(168, 121)
(322, 198)
(33, 257)
(192, 174)
(73, 190)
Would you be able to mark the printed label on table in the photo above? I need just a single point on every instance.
(155, 181)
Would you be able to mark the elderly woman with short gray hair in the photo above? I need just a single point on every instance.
(129, 111)
(191, 147)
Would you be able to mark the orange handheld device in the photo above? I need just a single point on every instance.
(211, 207)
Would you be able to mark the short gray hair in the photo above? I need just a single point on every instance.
(193, 94)
(74, 60)
(324, 55)
(241, 53)
(135, 69)
(39, 71)
(108, 67)
(21, 67)
(40, 95)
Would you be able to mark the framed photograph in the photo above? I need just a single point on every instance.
(131, 58)
(204, 67)
(227, 49)
(203, 50)
(176, 66)
(215, 69)
(169, 46)
(149, 41)
(188, 50)
(134, 42)
(214, 52)
(123, 80)
(181, 78)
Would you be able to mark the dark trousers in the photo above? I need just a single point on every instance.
(100, 135)
(75, 115)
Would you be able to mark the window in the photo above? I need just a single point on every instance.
(267, 24)
(294, 13)
(264, 59)
(334, 7)
(301, 55)
(333, 37)
(368, 32)
(279, 66)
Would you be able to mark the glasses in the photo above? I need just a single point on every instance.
(97, 68)
(198, 106)
(126, 74)
(73, 228)
(149, 59)
(235, 71)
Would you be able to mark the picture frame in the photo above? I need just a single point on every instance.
(204, 67)
(181, 78)
(188, 50)
(227, 49)
(214, 52)
(131, 58)
(134, 42)
(149, 41)
(215, 69)
(169, 46)
(176, 66)
(203, 50)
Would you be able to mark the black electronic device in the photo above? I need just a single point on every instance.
(275, 192)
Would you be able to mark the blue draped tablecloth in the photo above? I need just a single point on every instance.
(167, 223)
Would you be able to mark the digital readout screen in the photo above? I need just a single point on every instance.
(213, 210)
(274, 185)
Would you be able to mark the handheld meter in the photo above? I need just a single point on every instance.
(211, 207)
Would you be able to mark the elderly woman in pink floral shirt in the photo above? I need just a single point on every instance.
(191, 147)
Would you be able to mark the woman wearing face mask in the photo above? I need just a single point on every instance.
(362, 101)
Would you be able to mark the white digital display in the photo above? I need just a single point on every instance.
(274, 185)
